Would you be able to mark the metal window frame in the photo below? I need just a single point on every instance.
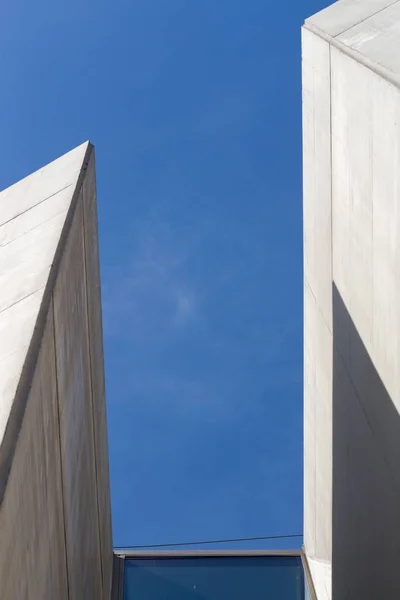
(120, 555)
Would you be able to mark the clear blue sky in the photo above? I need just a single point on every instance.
(194, 107)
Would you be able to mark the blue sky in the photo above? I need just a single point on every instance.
(195, 111)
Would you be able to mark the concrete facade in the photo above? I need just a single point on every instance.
(55, 517)
(351, 150)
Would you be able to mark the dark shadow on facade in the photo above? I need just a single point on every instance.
(366, 471)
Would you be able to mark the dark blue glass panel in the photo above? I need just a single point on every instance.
(215, 578)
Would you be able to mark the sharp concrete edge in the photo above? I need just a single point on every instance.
(383, 72)
(8, 445)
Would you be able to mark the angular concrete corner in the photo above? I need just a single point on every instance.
(55, 517)
(351, 149)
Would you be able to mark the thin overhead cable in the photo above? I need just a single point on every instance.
(246, 539)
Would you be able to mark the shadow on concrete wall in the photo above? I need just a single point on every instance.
(366, 471)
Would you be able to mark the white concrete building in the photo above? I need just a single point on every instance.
(351, 150)
(55, 517)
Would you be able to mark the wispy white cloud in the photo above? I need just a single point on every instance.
(195, 329)
(149, 293)
(185, 305)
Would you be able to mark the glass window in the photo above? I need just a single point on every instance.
(214, 578)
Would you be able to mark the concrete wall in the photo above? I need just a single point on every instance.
(55, 518)
(351, 147)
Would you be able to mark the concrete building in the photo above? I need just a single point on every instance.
(351, 149)
(55, 519)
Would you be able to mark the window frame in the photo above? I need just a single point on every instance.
(120, 555)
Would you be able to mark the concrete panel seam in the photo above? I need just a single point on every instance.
(37, 204)
(59, 448)
(366, 18)
(36, 226)
(348, 373)
(91, 389)
(373, 274)
(317, 304)
(21, 299)
(357, 395)
(378, 69)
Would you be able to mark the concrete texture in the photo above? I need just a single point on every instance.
(93, 293)
(55, 517)
(351, 145)
(317, 309)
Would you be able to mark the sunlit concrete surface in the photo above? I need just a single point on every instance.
(55, 520)
(351, 150)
